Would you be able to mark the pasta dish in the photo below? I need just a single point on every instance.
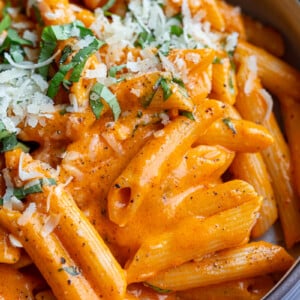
(140, 154)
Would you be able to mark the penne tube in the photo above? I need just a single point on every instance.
(159, 155)
(291, 116)
(51, 258)
(86, 246)
(207, 201)
(198, 63)
(253, 106)
(9, 254)
(237, 135)
(250, 260)
(224, 85)
(177, 246)
(278, 162)
(263, 36)
(251, 168)
(244, 289)
(199, 164)
(146, 91)
(276, 75)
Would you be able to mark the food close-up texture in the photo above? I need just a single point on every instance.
(141, 156)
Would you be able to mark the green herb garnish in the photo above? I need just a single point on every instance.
(72, 270)
(228, 123)
(187, 114)
(176, 30)
(167, 91)
(100, 92)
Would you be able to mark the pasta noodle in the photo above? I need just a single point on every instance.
(137, 143)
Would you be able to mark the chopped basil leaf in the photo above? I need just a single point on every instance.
(187, 114)
(182, 88)
(57, 80)
(167, 92)
(37, 15)
(108, 5)
(99, 92)
(81, 57)
(72, 270)
(36, 188)
(5, 23)
(52, 34)
(146, 101)
(77, 70)
(65, 54)
(228, 123)
(9, 143)
(13, 36)
(217, 60)
(157, 289)
(176, 30)
(19, 193)
(144, 39)
(112, 72)
(3, 131)
(231, 86)
(16, 52)
(178, 81)
(1, 201)
(164, 49)
(22, 192)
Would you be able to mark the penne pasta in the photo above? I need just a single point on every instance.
(276, 75)
(165, 251)
(251, 260)
(247, 289)
(291, 112)
(229, 133)
(276, 157)
(126, 194)
(251, 168)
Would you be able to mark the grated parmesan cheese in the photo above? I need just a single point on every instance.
(14, 241)
(51, 223)
(27, 213)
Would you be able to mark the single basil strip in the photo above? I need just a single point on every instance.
(112, 72)
(17, 53)
(22, 192)
(108, 5)
(1, 201)
(5, 23)
(228, 123)
(176, 30)
(58, 79)
(187, 114)
(65, 54)
(38, 15)
(81, 57)
(3, 131)
(146, 101)
(15, 38)
(167, 91)
(52, 34)
(157, 289)
(99, 92)
(72, 270)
